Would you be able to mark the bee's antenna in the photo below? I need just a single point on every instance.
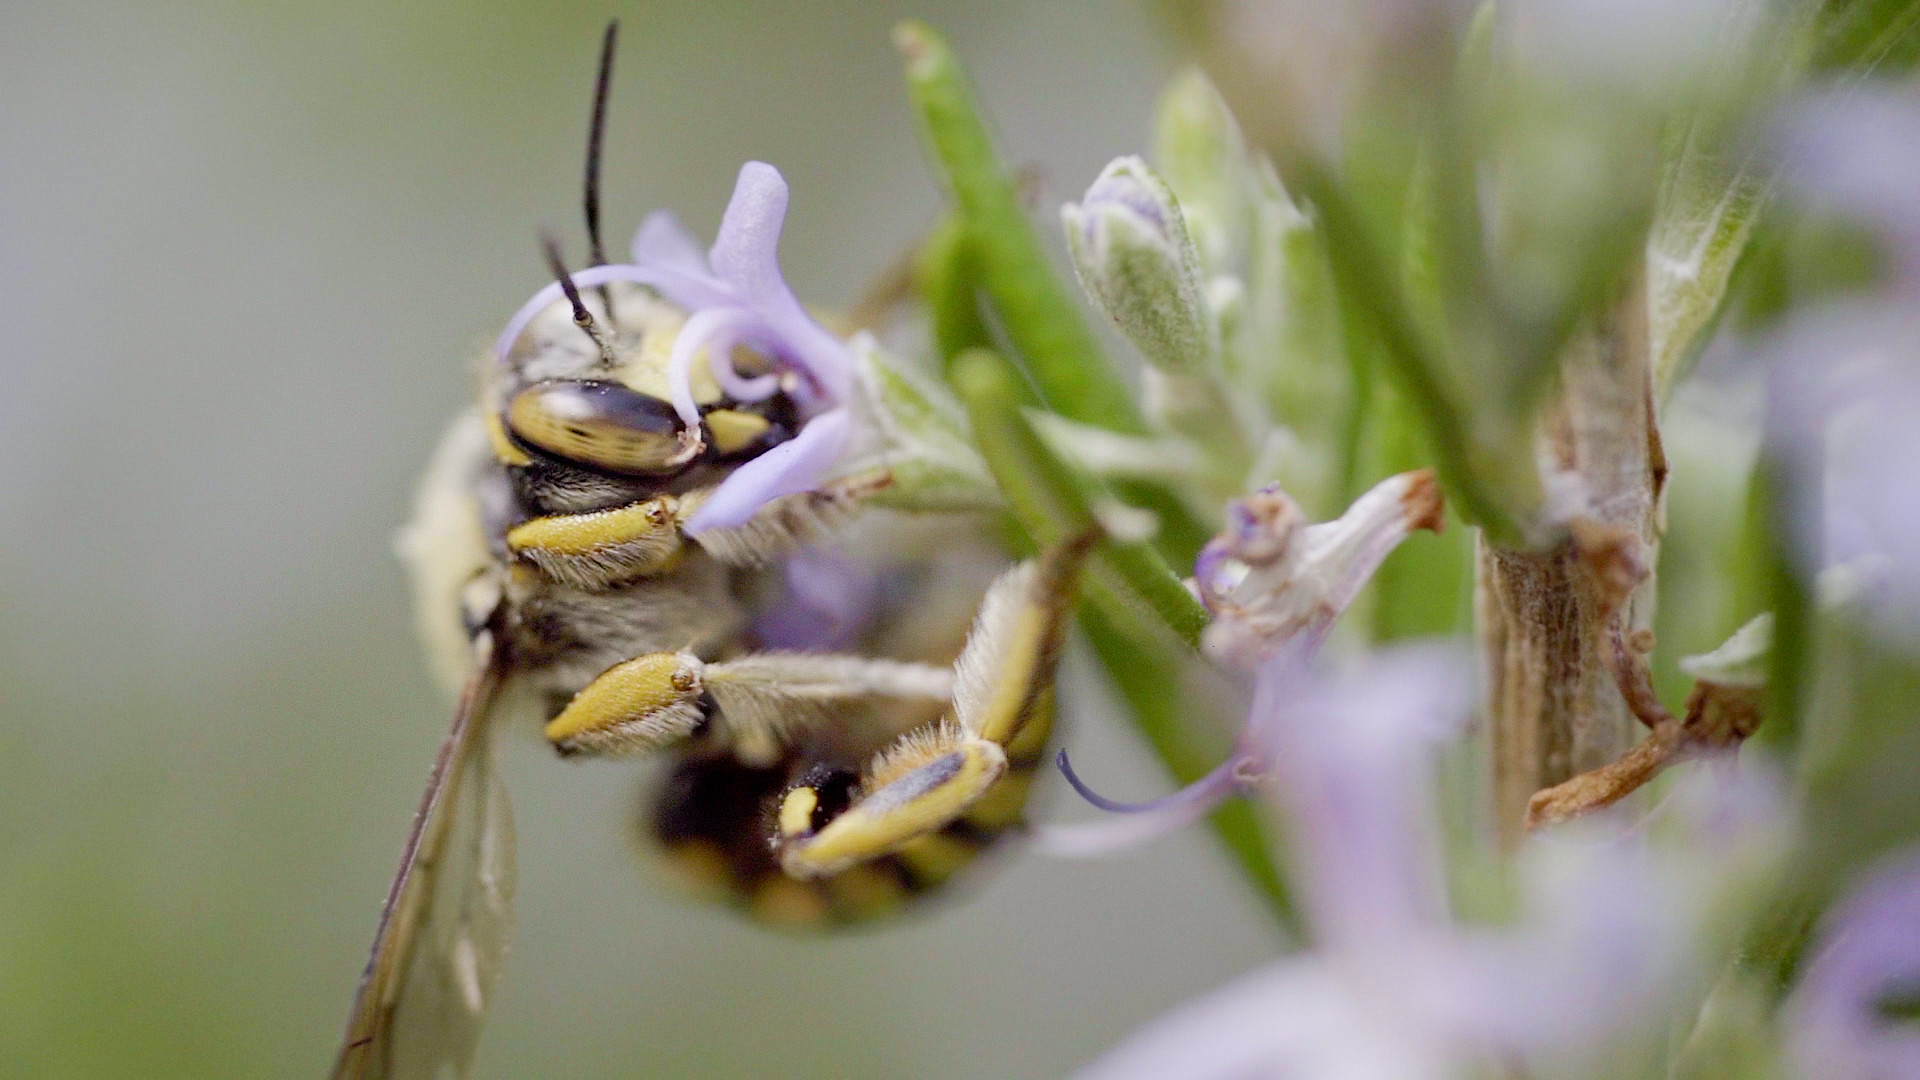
(582, 318)
(602, 84)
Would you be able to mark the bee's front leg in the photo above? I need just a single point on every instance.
(600, 548)
(972, 769)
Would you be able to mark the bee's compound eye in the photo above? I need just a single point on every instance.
(602, 425)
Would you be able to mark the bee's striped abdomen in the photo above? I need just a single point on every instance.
(713, 822)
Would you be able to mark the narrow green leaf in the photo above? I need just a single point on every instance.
(947, 277)
(1041, 319)
(1469, 473)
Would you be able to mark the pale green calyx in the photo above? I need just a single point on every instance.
(1133, 256)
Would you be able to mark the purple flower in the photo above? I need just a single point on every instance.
(1393, 988)
(1271, 577)
(1843, 396)
(735, 295)
(1275, 586)
(1866, 961)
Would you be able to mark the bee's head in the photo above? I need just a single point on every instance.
(695, 364)
(601, 403)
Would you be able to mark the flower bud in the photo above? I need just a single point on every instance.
(1133, 256)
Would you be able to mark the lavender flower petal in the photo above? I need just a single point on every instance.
(680, 269)
(1296, 1019)
(1861, 150)
(1351, 761)
(1869, 955)
(831, 600)
(799, 464)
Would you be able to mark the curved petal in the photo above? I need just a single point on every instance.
(1136, 824)
(552, 293)
(794, 466)
(1296, 1018)
(746, 251)
(1351, 757)
(737, 386)
(746, 256)
(715, 326)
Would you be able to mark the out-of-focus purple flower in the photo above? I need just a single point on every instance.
(1844, 381)
(831, 599)
(735, 295)
(1393, 989)
(1866, 963)
(1859, 152)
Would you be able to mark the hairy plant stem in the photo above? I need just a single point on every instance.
(1545, 616)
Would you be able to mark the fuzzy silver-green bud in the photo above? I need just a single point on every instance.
(1133, 256)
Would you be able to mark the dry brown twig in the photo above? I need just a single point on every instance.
(1719, 716)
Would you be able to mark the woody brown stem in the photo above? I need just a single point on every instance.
(1550, 620)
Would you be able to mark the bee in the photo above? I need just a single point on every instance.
(662, 532)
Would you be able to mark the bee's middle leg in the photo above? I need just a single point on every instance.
(971, 771)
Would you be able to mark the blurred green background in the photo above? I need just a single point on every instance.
(247, 252)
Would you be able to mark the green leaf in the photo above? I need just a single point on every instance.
(1042, 321)
(947, 275)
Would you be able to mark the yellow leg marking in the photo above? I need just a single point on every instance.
(1033, 650)
(1030, 742)
(635, 706)
(734, 430)
(881, 822)
(603, 546)
(584, 534)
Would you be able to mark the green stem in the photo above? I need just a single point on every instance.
(1362, 276)
(1051, 500)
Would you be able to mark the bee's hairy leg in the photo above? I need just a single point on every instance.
(786, 522)
(598, 548)
(971, 771)
(760, 701)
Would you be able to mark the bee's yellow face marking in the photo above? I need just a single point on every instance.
(646, 372)
(605, 425)
(734, 431)
(641, 705)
